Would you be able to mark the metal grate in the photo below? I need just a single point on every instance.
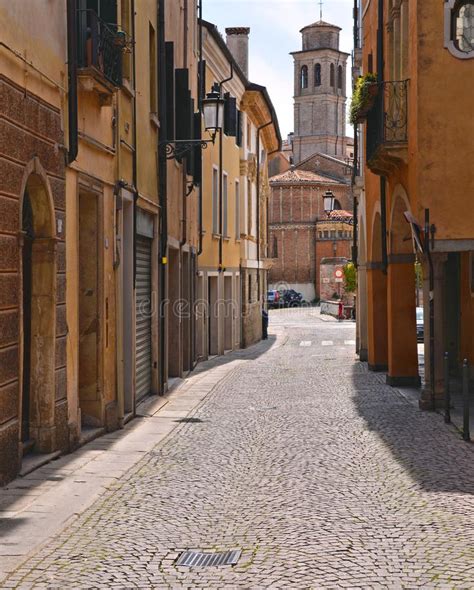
(201, 559)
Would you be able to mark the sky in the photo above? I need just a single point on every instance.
(274, 33)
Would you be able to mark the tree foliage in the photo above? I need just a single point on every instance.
(350, 277)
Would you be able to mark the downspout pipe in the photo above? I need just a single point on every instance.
(72, 80)
(201, 91)
(383, 180)
(259, 129)
(162, 186)
(221, 179)
(355, 168)
(135, 150)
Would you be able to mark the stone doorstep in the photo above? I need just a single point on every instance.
(84, 480)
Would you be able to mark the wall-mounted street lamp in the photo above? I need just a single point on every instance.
(213, 110)
(328, 201)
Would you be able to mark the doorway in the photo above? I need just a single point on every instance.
(38, 314)
(213, 316)
(89, 311)
(174, 314)
(228, 313)
(127, 304)
(27, 255)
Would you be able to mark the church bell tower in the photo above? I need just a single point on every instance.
(320, 93)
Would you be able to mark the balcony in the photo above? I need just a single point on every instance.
(387, 128)
(99, 54)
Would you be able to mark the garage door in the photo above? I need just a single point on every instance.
(143, 363)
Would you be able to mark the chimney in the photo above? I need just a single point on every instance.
(238, 44)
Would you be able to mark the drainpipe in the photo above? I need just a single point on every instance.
(221, 179)
(355, 171)
(201, 90)
(135, 158)
(380, 79)
(162, 186)
(72, 79)
(184, 204)
(258, 205)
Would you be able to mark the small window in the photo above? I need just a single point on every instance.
(463, 26)
(304, 77)
(340, 234)
(152, 66)
(370, 63)
(249, 208)
(317, 75)
(125, 14)
(340, 77)
(275, 247)
(320, 235)
(249, 294)
(326, 234)
(237, 210)
(333, 234)
(225, 205)
(332, 75)
(215, 201)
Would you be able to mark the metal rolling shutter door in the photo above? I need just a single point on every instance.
(143, 361)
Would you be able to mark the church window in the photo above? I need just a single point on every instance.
(332, 75)
(317, 75)
(326, 234)
(339, 77)
(337, 205)
(304, 77)
(459, 28)
(333, 234)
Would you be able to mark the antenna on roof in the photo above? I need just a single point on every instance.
(321, 10)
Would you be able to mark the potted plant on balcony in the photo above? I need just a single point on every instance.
(363, 97)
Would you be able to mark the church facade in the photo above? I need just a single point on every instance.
(316, 159)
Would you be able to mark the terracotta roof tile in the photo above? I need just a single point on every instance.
(294, 176)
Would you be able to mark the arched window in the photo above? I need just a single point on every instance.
(339, 77)
(463, 26)
(337, 205)
(317, 75)
(332, 75)
(304, 77)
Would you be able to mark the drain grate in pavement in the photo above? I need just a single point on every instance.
(201, 559)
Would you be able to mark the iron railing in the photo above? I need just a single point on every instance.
(387, 122)
(99, 46)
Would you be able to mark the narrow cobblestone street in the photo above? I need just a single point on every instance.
(322, 475)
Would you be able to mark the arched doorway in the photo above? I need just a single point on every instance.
(376, 300)
(38, 314)
(401, 313)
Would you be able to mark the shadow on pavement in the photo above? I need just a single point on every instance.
(14, 495)
(430, 451)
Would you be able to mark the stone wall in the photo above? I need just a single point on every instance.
(30, 133)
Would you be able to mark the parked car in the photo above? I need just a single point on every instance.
(292, 298)
(273, 298)
(420, 324)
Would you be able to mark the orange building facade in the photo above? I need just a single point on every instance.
(414, 181)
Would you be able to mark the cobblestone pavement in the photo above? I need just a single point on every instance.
(321, 474)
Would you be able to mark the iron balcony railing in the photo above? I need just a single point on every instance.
(99, 46)
(387, 121)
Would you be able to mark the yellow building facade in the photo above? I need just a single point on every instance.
(233, 264)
